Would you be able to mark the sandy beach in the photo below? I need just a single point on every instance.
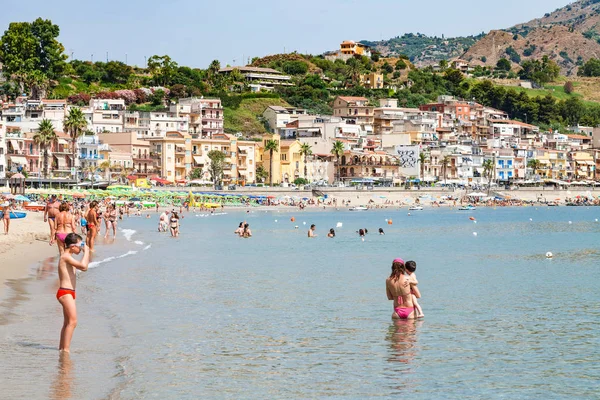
(24, 247)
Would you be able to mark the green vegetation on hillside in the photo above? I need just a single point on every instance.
(423, 48)
(245, 115)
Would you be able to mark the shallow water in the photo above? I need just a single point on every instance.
(210, 315)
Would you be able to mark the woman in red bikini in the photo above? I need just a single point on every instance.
(64, 225)
(398, 290)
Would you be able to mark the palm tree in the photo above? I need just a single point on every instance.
(305, 150)
(488, 172)
(338, 150)
(75, 125)
(422, 160)
(534, 165)
(445, 162)
(44, 138)
(105, 166)
(271, 145)
(353, 71)
(91, 169)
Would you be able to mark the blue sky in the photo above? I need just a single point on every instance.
(194, 33)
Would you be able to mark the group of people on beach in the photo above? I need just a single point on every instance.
(64, 218)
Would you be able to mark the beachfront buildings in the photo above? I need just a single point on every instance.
(127, 153)
(2, 151)
(23, 153)
(287, 164)
(177, 154)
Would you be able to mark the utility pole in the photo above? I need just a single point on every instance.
(125, 58)
(107, 56)
(92, 58)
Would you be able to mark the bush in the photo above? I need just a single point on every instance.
(300, 181)
(568, 87)
(80, 99)
(400, 65)
(503, 65)
(295, 67)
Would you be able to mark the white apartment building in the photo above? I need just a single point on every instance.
(88, 150)
(205, 116)
(27, 114)
(107, 115)
(154, 123)
(279, 117)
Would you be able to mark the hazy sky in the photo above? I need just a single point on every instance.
(194, 33)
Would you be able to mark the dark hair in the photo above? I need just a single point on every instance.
(332, 231)
(398, 269)
(366, 231)
(241, 225)
(246, 225)
(361, 232)
(64, 206)
(411, 266)
(93, 204)
(380, 230)
(312, 226)
(72, 238)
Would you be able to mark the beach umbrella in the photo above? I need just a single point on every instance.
(21, 198)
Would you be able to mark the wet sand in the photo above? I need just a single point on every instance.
(23, 248)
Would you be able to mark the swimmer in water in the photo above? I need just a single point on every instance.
(331, 233)
(240, 229)
(311, 231)
(398, 290)
(246, 232)
(67, 265)
(381, 232)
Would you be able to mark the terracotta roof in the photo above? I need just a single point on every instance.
(352, 98)
(579, 137)
(512, 122)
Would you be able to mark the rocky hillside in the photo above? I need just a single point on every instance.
(570, 36)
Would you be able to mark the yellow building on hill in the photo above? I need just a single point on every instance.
(288, 163)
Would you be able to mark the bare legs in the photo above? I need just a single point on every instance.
(91, 238)
(6, 225)
(52, 226)
(70, 314)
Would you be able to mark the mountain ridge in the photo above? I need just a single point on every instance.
(569, 35)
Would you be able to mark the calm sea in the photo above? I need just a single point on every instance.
(210, 315)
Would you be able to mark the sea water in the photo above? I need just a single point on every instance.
(211, 315)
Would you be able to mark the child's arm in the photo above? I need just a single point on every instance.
(80, 265)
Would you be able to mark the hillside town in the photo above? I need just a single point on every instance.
(448, 141)
(362, 140)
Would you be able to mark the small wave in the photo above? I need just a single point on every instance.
(129, 253)
(139, 242)
(147, 247)
(128, 233)
(94, 264)
(111, 258)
